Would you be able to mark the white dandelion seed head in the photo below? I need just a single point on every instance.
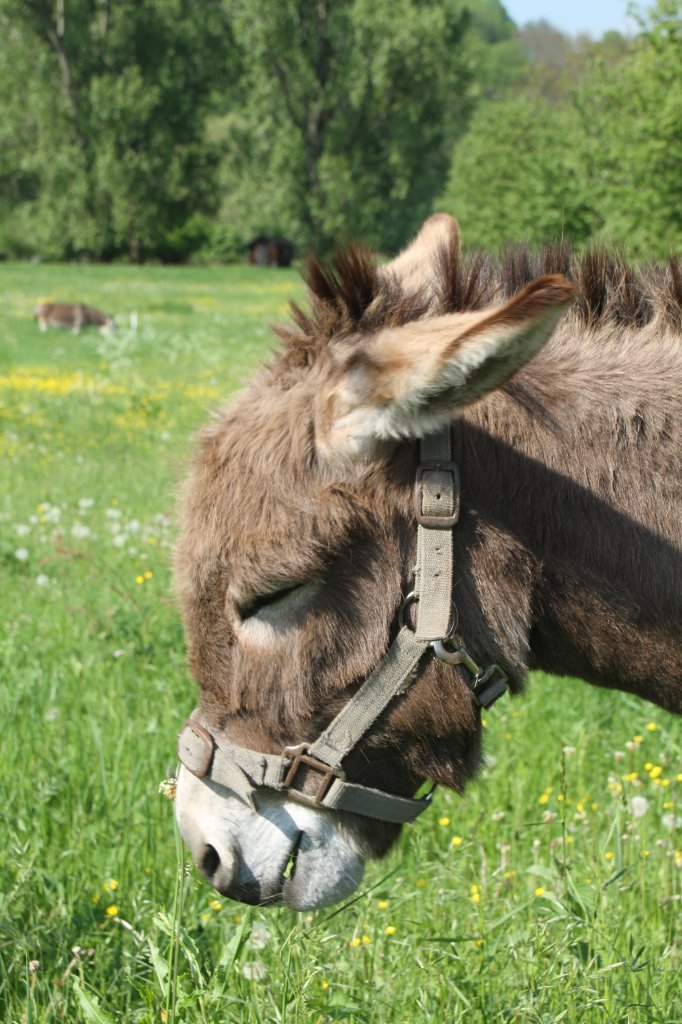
(254, 970)
(21, 554)
(639, 805)
(260, 936)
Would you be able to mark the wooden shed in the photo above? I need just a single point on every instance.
(271, 251)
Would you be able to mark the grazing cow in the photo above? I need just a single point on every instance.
(72, 315)
(453, 471)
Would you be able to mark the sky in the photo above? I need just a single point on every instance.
(593, 16)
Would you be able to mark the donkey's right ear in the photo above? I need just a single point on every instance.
(406, 382)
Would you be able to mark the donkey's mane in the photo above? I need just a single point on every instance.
(354, 295)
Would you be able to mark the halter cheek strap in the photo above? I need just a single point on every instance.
(319, 765)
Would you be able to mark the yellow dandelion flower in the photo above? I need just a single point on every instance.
(540, 891)
(147, 574)
(651, 727)
(594, 806)
(366, 940)
(475, 897)
(237, 918)
(646, 853)
(474, 889)
(95, 898)
(215, 905)
(112, 911)
(668, 805)
(544, 799)
(609, 855)
(637, 739)
(355, 942)
(484, 723)
(568, 839)
(113, 885)
(382, 904)
(509, 874)
(678, 858)
(678, 777)
(656, 771)
(664, 782)
(325, 984)
(456, 841)
(443, 821)
(205, 917)
(580, 808)
(139, 579)
(421, 883)
(390, 930)
(648, 766)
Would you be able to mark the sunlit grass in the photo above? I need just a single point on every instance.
(550, 893)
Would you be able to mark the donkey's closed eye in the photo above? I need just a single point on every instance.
(256, 604)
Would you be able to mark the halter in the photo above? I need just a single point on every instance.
(319, 765)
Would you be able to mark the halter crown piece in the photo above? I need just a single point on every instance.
(313, 772)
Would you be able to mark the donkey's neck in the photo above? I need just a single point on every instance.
(580, 470)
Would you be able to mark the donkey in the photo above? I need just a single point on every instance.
(450, 473)
(72, 315)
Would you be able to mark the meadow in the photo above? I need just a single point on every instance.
(551, 893)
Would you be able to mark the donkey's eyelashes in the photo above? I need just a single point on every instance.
(256, 604)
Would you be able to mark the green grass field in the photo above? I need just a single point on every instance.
(551, 893)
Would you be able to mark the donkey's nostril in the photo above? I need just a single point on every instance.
(210, 862)
(218, 867)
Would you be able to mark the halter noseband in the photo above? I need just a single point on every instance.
(436, 509)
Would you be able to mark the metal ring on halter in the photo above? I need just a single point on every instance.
(410, 599)
(413, 597)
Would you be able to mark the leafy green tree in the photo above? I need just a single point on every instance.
(631, 134)
(515, 176)
(343, 115)
(109, 103)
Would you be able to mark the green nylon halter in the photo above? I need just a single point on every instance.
(436, 508)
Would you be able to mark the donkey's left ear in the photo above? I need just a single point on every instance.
(405, 382)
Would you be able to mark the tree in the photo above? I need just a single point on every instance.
(109, 102)
(515, 176)
(343, 116)
(631, 127)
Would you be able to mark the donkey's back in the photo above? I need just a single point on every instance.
(71, 315)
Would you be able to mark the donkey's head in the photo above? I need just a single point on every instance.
(297, 549)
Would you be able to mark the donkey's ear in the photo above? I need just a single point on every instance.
(405, 382)
(414, 266)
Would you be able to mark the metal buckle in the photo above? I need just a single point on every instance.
(196, 758)
(300, 756)
(489, 685)
(436, 522)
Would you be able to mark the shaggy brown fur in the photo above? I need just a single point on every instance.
(567, 553)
